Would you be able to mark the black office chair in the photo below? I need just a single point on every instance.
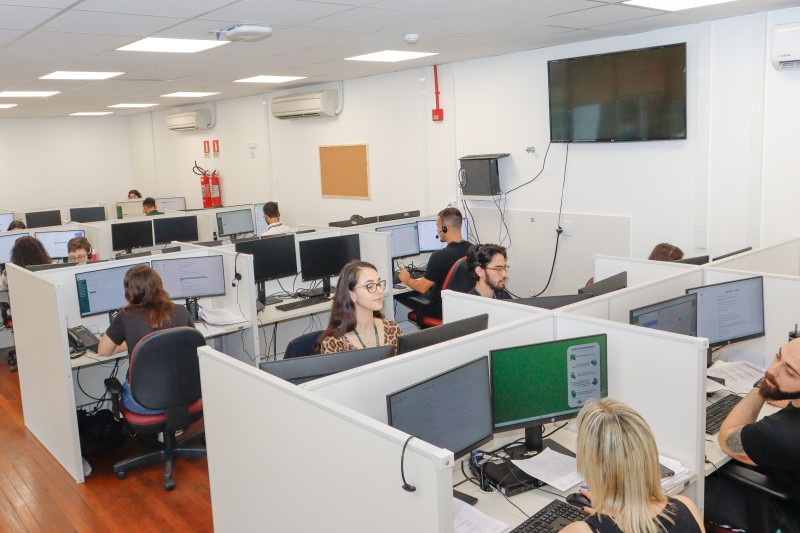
(165, 374)
(302, 345)
(761, 494)
(8, 323)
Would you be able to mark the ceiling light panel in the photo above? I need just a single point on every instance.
(390, 56)
(7, 106)
(674, 5)
(27, 94)
(132, 106)
(90, 113)
(176, 46)
(80, 75)
(270, 79)
(186, 94)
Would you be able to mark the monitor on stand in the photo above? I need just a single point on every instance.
(41, 219)
(125, 236)
(273, 258)
(429, 237)
(676, 315)
(730, 254)
(699, 260)
(234, 222)
(181, 229)
(324, 258)
(192, 278)
(87, 214)
(5, 220)
(730, 312)
(7, 244)
(403, 239)
(102, 291)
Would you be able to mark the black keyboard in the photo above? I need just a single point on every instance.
(415, 274)
(555, 516)
(718, 411)
(291, 306)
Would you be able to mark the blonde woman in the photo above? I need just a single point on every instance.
(617, 456)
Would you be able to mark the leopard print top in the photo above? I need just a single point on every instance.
(391, 330)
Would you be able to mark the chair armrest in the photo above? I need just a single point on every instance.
(754, 479)
(114, 388)
(420, 299)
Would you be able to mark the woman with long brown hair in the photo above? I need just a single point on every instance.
(27, 251)
(149, 309)
(356, 319)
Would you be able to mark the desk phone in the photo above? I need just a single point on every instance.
(80, 338)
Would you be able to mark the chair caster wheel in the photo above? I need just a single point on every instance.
(122, 474)
(169, 485)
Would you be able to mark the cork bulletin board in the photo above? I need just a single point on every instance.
(344, 171)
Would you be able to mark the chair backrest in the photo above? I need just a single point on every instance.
(302, 345)
(165, 370)
(458, 278)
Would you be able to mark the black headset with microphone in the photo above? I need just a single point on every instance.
(406, 485)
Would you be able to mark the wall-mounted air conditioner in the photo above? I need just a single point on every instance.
(785, 49)
(197, 119)
(316, 104)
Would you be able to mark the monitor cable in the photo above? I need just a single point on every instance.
(406, 486)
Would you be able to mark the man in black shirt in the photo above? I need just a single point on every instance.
(487, 266)
(448, 230)
(771, 443)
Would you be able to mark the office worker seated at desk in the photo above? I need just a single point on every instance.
(79, 250)
(273, 217)
(666, 252)
(448, 230)
(149, 309)
(487, 266)
(356, 318)
(618, 457)
(770, 444)
(27, 251)
(133, 194)
(16, 224)
(149, 207)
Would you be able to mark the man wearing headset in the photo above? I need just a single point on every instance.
(79, 250)
(448, 224)
(488, 268)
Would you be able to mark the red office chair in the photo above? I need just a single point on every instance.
(165, 374)
(455, 280)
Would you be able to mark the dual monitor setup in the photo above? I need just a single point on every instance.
(417, 237)
(102, 290)
(55, 242)
(153, 231)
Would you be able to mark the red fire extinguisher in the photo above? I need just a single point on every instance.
(215, 192)
(209, 187)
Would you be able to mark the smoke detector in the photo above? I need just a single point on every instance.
(246, 32)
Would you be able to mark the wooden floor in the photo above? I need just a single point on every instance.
(37, 494)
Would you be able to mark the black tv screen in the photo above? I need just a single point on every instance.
(635, 95)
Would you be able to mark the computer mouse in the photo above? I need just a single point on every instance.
(578, 500)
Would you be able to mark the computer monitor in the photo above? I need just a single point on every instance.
(541, 383)
(210, 244)
(102, 291)
(676, 315)
(699, 260)
(7, 244)
(132, 208)
(234, 222)
(168, 229)
(398, 216)
(445, 332)
(298, 370)
(41, 219)
(730, 312)
(452, 410)
(87, 214)
(552, 302)
(610, 284)
(729, 254)
(130, 235)
(403, 239)
(273, 258)
(358, 222)
(173, 203)
(429, 238)
(5, 220)
(55, 242)
(191, 278)
(258, 216)
(324, 258)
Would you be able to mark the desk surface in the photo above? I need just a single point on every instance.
(270, 315)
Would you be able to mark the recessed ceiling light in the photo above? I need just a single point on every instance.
(77, 75)
(270, 79)
(186, 95)
(90, 113)
(132, 105)
(178, 46)
(27, 94)
(674, 5)
(391, 56)
(7, 106)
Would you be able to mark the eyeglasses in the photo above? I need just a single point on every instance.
(372, 287)
(79, 257)
(499, 269)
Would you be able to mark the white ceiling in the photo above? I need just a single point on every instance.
(310, 38)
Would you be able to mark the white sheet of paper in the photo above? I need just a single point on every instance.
(739, 376)
(221, 316)
(467, 519)
(713, 386)
(557, 470)
(208, 330)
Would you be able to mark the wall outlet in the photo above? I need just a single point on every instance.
(567, 227)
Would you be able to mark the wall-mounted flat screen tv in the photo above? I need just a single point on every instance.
(635, 95)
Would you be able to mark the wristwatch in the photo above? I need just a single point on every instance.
(757, 384)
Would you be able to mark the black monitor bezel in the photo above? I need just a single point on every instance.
(202, 257)
(478, 322)
(385, 229)
(329, 273)
(606, 285)
(49, 212)
(731, 254)
(632, 312)
(242, 247)
(220, 214)
(98, 209)
(736, 339)
(335, 360)
(166, 221)
(357, 222)
(696, 260)
(398, 216)
(142, 223)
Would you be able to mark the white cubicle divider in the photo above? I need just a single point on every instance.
(782, 258)
(639, 270)
(458, 305)
(781, 314)
(329, 467)
(661, 375)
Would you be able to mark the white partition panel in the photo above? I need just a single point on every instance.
(782, 258)
(309, 464)
(593, 307)
(457, 305)
(639, 270)
(621, 302)
(375, 249)
(45, 375)
(365, 388)
(661, 375)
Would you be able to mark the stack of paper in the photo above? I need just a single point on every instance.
(556, 469)
(220, 317)
(467, 519)
(682, 474)
(739, 376)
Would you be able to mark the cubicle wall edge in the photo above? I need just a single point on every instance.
(323, 460)
(459, 305)
(782, 258)
(639, 270)
(45, 373)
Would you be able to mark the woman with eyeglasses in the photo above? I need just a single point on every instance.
(356, 318)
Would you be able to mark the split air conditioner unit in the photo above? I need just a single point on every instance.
(785, 50)
(316, 104)
(197, 119)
